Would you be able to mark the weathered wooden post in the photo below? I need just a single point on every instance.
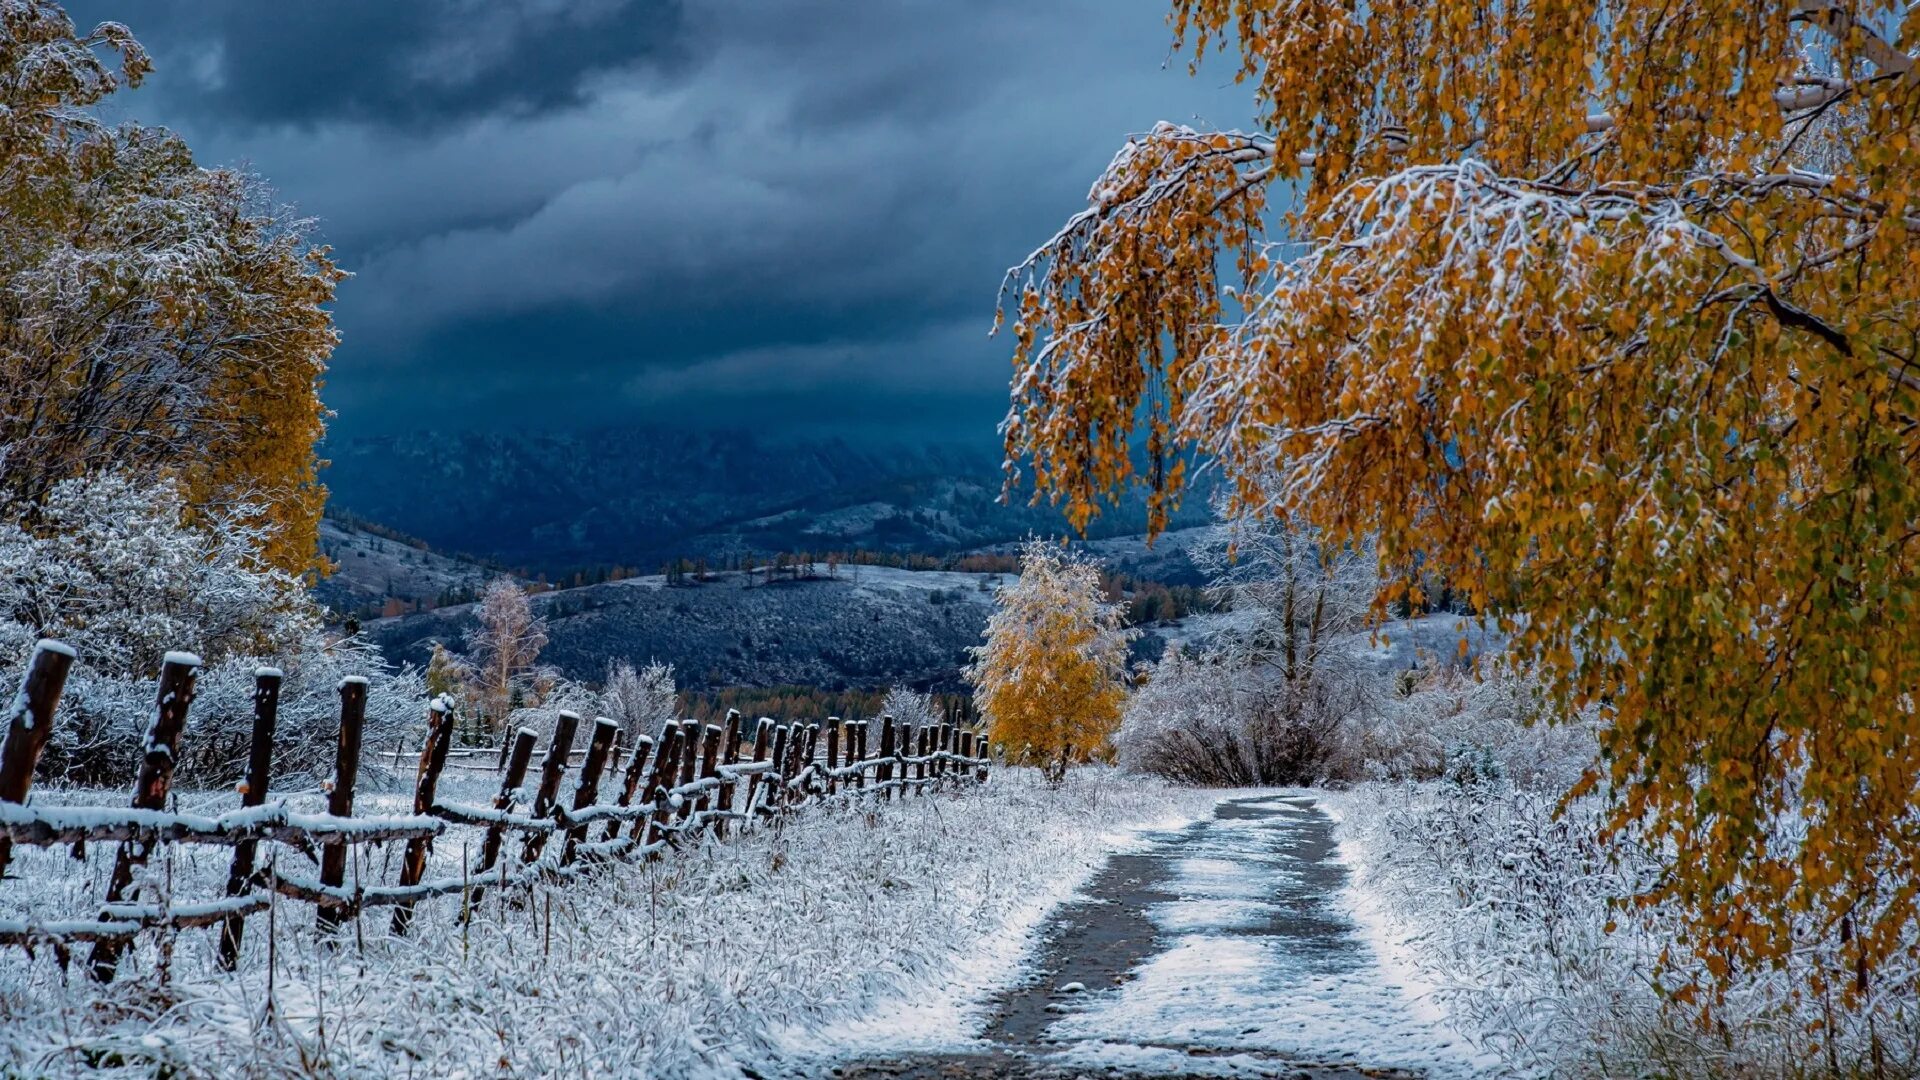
(253, 792)
(346, 773)
(833, 754)
(599, 746)
(665, 768)
(732, 757)
(636, 771)
(920, 770)
(689, 762)
(29, 726)
(433, 759)
(762, 740)
(709, 764)
(857, 752)
(885, 771)
(986, 753)
(808, 758)
(519, 757)
(179, 671)
(903, 750)
(559, 748)
(782, 758)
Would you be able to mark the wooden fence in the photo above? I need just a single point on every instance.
(687, 780)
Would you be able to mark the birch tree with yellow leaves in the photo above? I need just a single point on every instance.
(1607, 313)
(1051, 677)
(155, 315)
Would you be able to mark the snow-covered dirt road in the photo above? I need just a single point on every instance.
(1222, 949)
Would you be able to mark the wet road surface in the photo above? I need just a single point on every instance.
(1218, 950)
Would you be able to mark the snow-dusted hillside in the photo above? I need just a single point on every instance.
(866, 626)
(370, 569)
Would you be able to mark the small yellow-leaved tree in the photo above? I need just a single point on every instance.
(1051, 678)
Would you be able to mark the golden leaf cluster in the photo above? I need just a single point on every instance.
(1607, 313)
(155, 316)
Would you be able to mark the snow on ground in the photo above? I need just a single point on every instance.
(777, 949)
(1259, 961)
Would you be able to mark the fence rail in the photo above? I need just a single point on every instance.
(688, 780)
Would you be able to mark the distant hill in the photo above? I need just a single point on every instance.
(865, 627)
(555, 503)
(379, 572)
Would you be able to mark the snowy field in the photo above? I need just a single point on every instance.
(776, 950)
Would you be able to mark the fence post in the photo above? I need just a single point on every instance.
(709, 764)
(724, 799)
(964, 741)
(986, 752)
(636, 769)
(179, 671)
(433, 759)
(30, 725)
(885, 771)
(253, 792)
(599, 745)
(689, 761)
(944, 744)
(920, 770)
(857, 752)
(665, 769)
(783, 740)
(807, 759)
(762, 736)
(346, 771)
(520, 755)
(903, 749)
(833, 754)
(559, 749)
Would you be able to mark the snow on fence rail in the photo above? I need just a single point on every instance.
(688, 780)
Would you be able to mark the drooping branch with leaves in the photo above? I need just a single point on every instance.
(1608, 313)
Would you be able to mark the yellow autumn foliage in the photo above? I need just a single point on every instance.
(1050, 679)
(1610, 315)
(155, 316)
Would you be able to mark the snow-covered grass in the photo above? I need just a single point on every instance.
(1498, 908)
(780, 948)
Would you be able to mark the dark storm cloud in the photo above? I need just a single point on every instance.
(779, 212)
(409, 63)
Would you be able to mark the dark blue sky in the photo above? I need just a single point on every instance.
(788, 215)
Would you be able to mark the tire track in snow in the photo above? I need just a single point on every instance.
(1219, 950)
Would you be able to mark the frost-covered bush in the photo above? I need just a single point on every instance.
(640, 699)
(102, 720)
(1269, 696)
(911, 707)
(1510, 908)
(1208, 719)
(1493, 722)
(111, 566)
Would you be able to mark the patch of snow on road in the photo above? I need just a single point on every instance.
(1263, 962)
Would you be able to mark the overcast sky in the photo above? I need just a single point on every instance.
(789, 215)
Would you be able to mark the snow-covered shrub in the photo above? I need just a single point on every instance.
(1491, 722)
(110, 566)
(1511, 908)
(103, 718)
(1269, 696)
(911, 707)
(640, 699)
(1209, 719)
